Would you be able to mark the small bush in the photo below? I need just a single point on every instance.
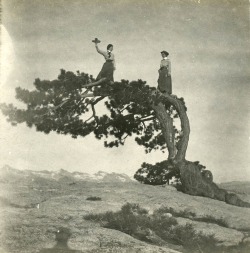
(132, 220)
(95, 217)
(158, 174)
(158, 228)
(185, 214)
(211, 219)
(94, 198)
(190, 215)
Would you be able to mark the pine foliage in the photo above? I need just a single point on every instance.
(58, 106)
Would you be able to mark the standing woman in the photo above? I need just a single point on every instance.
(165, 80)
(108, 67)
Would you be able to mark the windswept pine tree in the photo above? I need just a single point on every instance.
(67, 105)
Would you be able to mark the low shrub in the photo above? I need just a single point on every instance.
(126, 220)
(193, 241)
(191, 215)
(210, 219)
(159, 228)
(185, 213)
(157, 174)
(94, 198)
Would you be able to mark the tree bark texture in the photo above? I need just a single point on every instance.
(197, 183)
(194, 181)
(165, 121)
(167, 128)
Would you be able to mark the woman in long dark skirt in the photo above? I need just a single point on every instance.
(108, 67)
(165, 80)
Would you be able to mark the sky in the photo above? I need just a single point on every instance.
(208, 44)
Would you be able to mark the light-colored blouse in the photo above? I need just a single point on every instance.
(165, 63)
(106, 55)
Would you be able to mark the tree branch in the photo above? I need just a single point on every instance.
(60, 105)
(147, 119)
(98, 100)
(94, 113)
(95, 83)
(88, 95)
(125, 107)
(143, 124)
(93, 110)
(88, 119)
(123, 139)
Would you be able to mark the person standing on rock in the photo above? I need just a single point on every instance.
(165, 80)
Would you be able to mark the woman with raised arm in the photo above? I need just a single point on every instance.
(165, 80)
(108, 67)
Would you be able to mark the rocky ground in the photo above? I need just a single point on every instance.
(33, 208)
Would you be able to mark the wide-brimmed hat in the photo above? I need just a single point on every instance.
(165, 52)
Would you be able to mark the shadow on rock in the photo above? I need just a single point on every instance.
(62, 237)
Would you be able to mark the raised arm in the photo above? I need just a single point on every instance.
(100, 51)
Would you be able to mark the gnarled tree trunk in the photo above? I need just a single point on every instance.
(194, 181)
(167, 128)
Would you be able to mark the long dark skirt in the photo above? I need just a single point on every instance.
(107, 71)
(165, 81)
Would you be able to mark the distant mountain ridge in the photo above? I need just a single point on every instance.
(11, 174)
(241, 187)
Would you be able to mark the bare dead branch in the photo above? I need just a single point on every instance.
(98, 100)
(143, 124)
(80, 101)
(88, 119)
(60, 105)
(147, 119)
(94, 113)
(123, 139)
(125, 107)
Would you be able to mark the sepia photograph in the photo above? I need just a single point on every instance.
(125, 126)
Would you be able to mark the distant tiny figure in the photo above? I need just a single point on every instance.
(108, 67)
(165, 80)
(62, 237)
